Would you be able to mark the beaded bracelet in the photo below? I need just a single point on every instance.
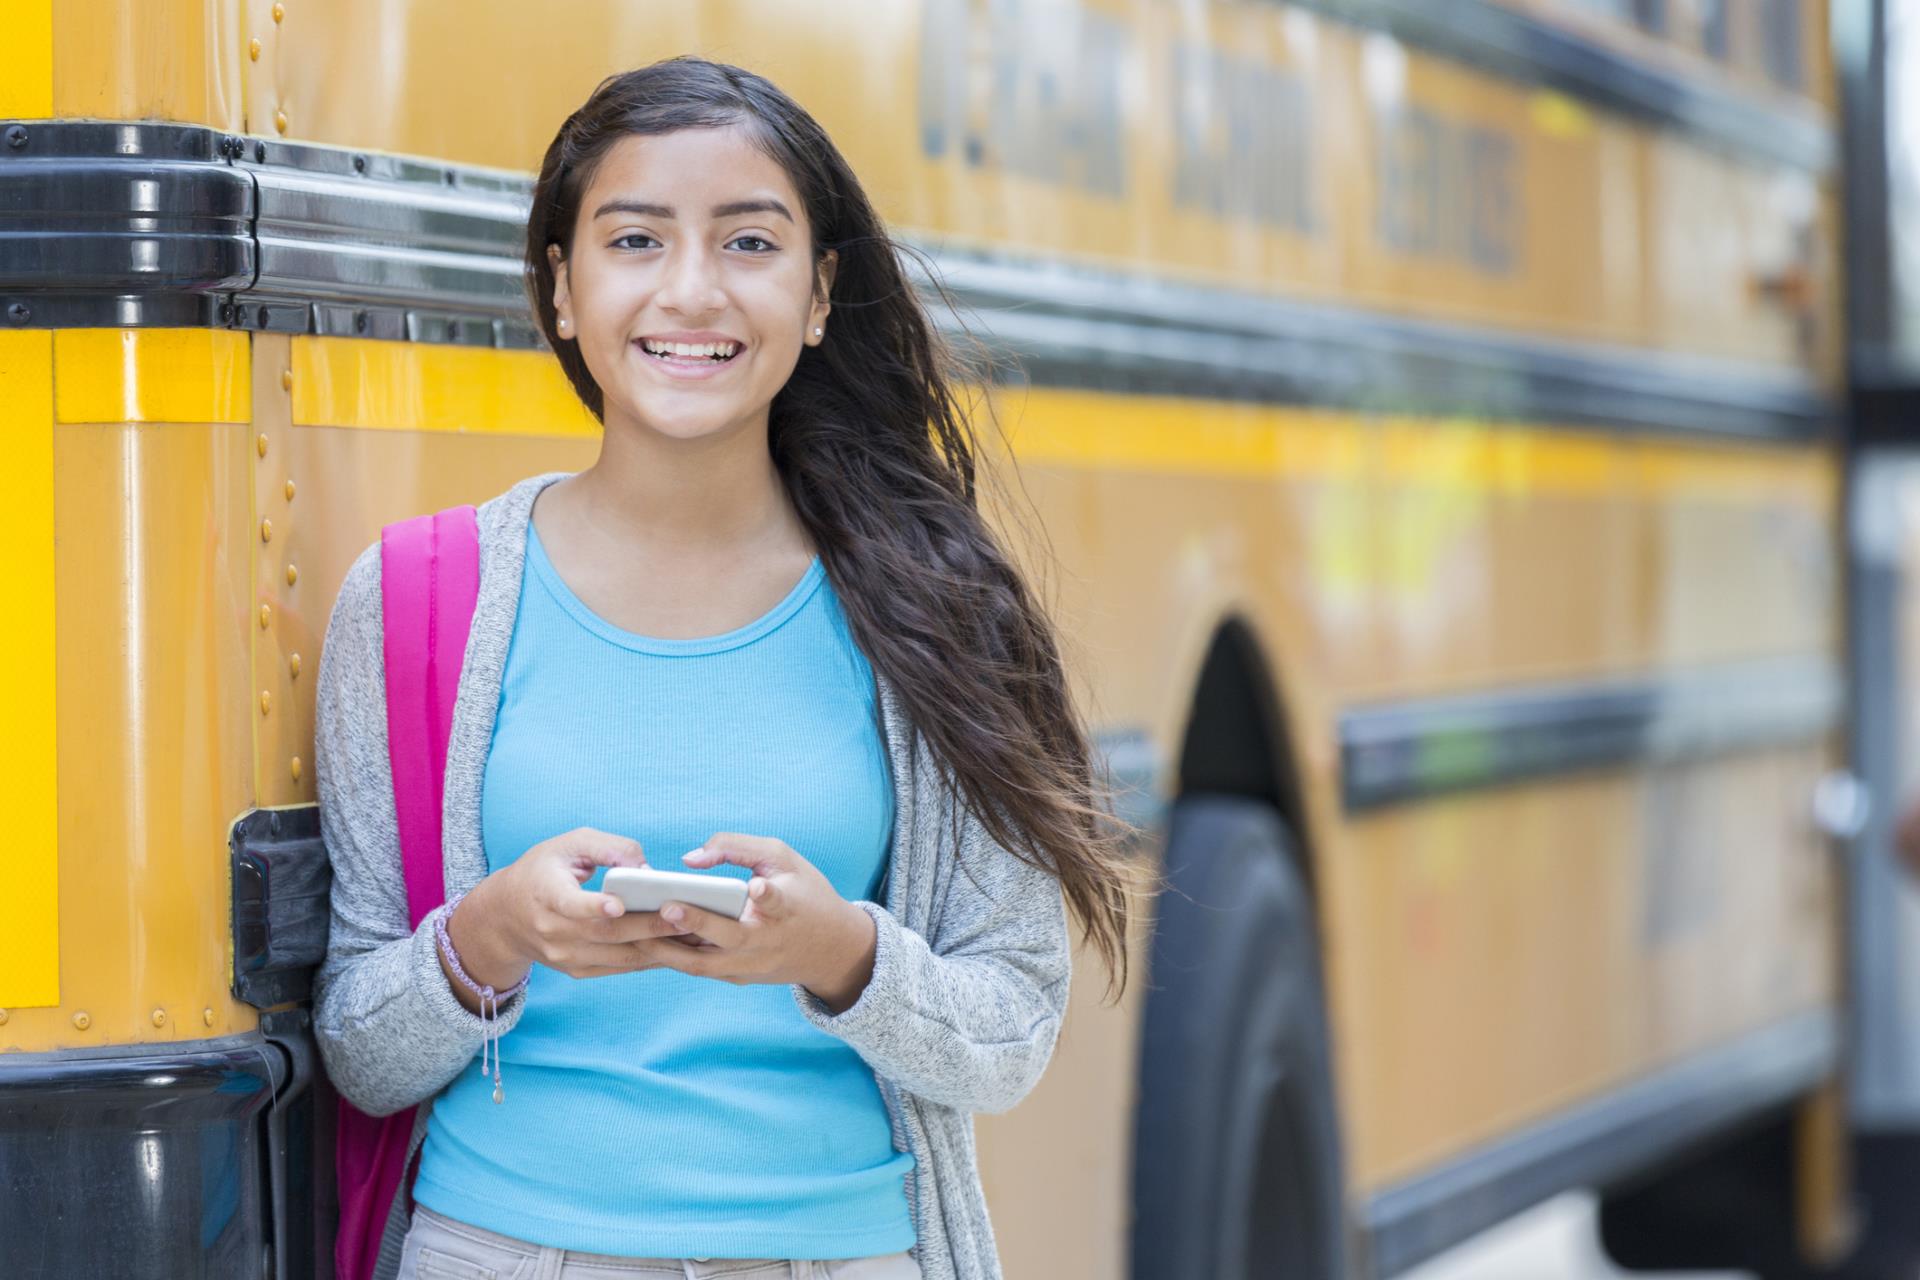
(489, 998)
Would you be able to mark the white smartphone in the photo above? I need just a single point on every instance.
(649, 889)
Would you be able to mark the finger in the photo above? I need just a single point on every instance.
(766, 899)
(705, 924)
(615, 956)
(636, 926)
(762, 854)
(700, 962)
(586, 905)
(589, 849)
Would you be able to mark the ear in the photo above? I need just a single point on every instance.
(823, 289)
(562, 290)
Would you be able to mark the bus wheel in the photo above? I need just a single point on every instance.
(1237, 1170)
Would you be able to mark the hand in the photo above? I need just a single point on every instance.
(795, 927)
(534, 910)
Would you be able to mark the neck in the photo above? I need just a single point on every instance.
(719, 493)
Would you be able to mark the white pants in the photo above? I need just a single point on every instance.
(440, 1248)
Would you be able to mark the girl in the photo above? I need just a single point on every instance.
(768, 626)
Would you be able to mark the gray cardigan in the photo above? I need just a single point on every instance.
(970, 972)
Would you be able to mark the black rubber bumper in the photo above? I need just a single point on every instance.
(135, 1164)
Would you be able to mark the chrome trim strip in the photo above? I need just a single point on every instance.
(1075, 326)
(1659, 1115)
(1394, 753)
(122, 224)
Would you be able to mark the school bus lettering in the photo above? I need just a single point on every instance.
(1243, 139)
(1031, 90)
(1448, 189)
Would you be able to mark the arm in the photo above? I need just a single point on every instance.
(390, 1029)
(972, 1025)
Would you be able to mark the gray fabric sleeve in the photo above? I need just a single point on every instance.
(972, 1026)
(390, 1029)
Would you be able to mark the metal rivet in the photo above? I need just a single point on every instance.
(359, 322)
(253, 49)
(19, 312)
(359, 164)
(260, 444)
(81, 1020)
(16, 136)
(259, 153)
(264, 315)
(266, 702)
(206, 1016)
(293, 666)
(280, 121)
(296, 768)
(452, 177)
(293, 575)
(279, 12)
(289, 491)
(286, 379)
(266, 615)
(266, 530)
(226, 313)
(159, 1017)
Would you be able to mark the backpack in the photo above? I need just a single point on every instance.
(429, 582)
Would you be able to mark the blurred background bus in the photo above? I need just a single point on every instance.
(1440, 415)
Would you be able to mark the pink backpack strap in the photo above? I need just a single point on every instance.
(429, 581)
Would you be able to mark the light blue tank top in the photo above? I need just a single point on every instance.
(656, 1114)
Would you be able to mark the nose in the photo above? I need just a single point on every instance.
(690, 284)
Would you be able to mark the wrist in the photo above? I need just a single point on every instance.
(841, 988)
(486, 953)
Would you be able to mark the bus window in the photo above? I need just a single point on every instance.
(1713, 29)
(1780, 43)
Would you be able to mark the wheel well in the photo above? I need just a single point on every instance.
(1236, 741)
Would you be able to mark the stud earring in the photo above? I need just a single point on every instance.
(818, 332)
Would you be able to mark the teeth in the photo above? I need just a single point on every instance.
(693, 349)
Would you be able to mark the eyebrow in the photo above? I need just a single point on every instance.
(666, 211)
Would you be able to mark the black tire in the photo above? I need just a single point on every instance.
(1237, 1169)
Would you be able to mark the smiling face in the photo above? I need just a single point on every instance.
(691, 238)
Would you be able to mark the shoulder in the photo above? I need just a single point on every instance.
(356, 608)
(506, 513)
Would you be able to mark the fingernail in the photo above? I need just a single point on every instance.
(611, 908)
(672, 913)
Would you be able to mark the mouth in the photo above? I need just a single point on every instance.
(700, 355)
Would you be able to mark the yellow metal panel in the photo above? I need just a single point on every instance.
(151, 375)
(26, 60)
(1133, 433)
(29, 865)
(153, 688)
(150, 60)
(362, 382)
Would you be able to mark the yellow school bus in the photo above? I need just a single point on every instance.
(1430, 407)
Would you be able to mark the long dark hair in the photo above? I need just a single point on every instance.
(878, 456)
